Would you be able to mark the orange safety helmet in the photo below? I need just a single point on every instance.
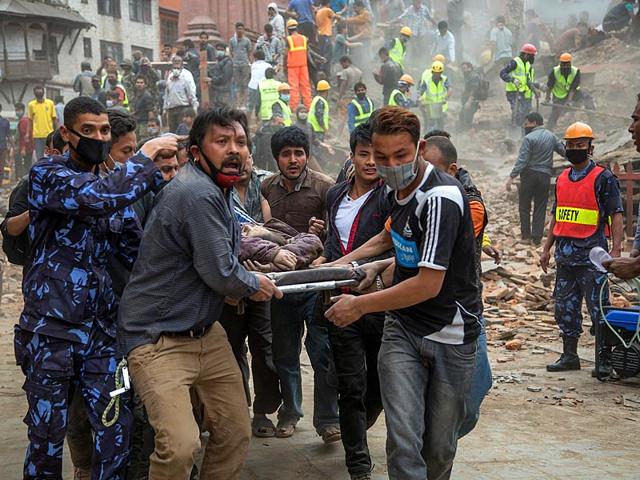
(406, 78)
(578, 130)
(284, 87)
(566, 58)
(529, 48)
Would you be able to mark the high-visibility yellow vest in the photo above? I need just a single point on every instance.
(104, 79)
(434, 93)
(398, 52)
(319, 126)
(125, 102)
(362, 114)
(286, 112)
(392, 98)
(524, 73)
(562, 85)
(268, 91)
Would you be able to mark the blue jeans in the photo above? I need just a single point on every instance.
(424, 388)
(481, 385)
(288, 319)
(39, 144)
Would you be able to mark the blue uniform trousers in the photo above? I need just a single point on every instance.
(573, 283)
(53, 369)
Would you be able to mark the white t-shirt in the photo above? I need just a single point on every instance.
(346, 214)
(258, 69)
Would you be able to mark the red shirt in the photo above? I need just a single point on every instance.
(25, 138)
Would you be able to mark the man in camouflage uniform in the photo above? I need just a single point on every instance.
(65, 339)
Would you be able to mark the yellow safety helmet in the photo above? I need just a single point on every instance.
(485, 57)
(406, 31)
(292, 23)
(284, 86)
(578, 130)
(439, 58)
(566, 57)
(437, 67)
(406, 78)
(323, 86)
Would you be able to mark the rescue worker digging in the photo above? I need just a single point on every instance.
(564, 85)
(588, 203)
(519, 77)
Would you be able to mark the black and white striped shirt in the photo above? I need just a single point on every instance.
(432, 228)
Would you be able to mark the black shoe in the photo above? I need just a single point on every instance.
(569, 359)
(604, 365)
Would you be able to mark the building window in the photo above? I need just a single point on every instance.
(140, 11)
(88, 51)
(111, 49)
(146, 52)
(109, 7)
(168, 31)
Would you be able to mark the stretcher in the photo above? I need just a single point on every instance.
(316, 279)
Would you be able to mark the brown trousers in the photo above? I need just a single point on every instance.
(162, 374)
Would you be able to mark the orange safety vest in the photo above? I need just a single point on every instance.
(577, 209)
(297, 55)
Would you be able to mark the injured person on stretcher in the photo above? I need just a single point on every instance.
(276, 247)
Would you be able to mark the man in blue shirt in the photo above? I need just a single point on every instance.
(65, 339)
(302, 11)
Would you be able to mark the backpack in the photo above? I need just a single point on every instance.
(16, 248)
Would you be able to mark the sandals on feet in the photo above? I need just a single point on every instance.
(262, 427)
(331, 434)
(286, 428)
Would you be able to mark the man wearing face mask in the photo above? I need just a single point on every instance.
(221, 74)
(189, 256)
(180, 92)
(588, 206)
(24, 154)
(65, 339)
(535, 167)
(519, 77)
(42, 113)
(359, 110)
(280, 109)
(564, 85)
(401, 96)
(428, 353)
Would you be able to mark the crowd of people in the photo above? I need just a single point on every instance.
(150, 227)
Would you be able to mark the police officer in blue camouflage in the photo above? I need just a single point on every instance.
(66, 336)
(588, 205)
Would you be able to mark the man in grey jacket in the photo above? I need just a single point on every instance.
(169, 312)
(535, 167)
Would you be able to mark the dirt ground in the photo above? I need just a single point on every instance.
(584, 435)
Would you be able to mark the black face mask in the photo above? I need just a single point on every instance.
(565, 70)
(90, 150)
(223, 180)
(576, 156)
(528, 130)
(361, 96)
(531, 59)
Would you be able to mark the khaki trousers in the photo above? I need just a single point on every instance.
(163, 374)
